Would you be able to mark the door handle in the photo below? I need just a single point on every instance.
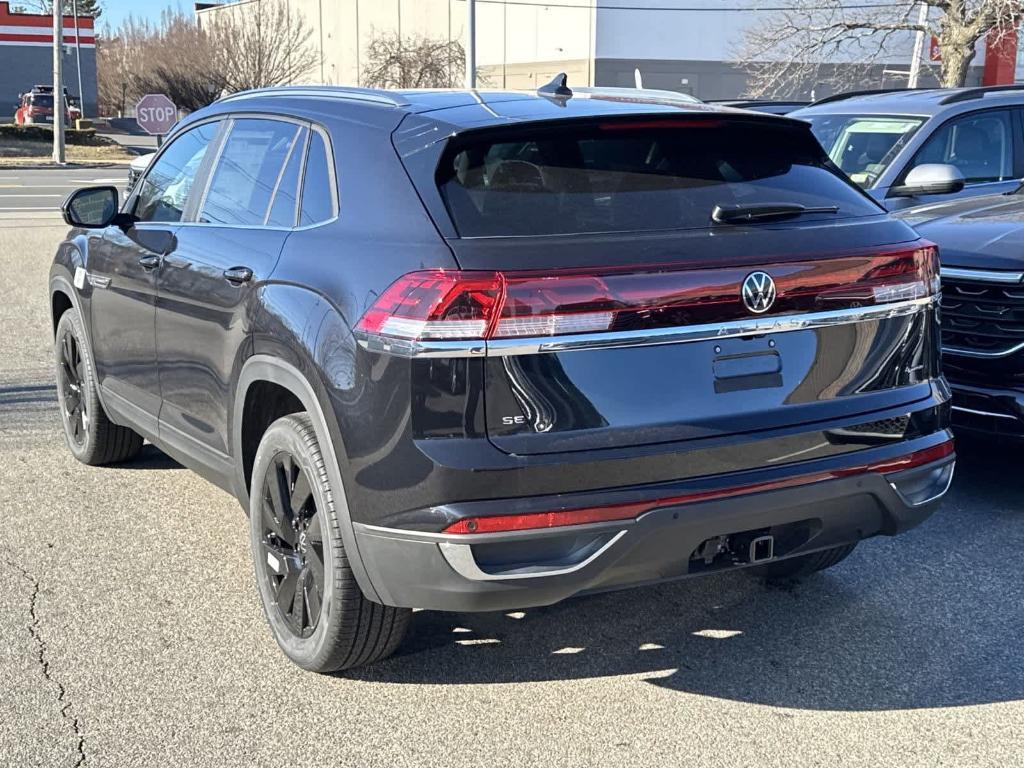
(238, 275)
(149, 261)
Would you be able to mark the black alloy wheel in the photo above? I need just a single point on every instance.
(92, 437)
(293, 544)
(71, 378)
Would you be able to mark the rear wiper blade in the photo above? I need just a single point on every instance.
(737, 214)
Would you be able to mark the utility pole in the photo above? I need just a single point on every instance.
(78, 58)
(470, 44)
(58, 84)
(915, 62)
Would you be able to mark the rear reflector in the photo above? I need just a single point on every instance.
(535, 520)
(455, 305)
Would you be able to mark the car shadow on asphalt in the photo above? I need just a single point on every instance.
(151, 457)
(929, 619)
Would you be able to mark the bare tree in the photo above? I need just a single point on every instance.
(413, 62)
(840, 42)
(261, 44)
(173, 57)
(92, 8)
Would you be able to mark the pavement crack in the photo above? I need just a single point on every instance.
(42, 656)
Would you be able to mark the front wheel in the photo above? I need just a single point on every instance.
(802, 565)
(92, 437)
(316, 610)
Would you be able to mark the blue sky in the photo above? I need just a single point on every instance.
(115, 11)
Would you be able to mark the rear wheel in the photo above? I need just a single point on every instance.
(91, 436)
(803, 565)
(316, 610)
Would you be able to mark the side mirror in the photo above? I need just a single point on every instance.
(91, 207)
(930, 179)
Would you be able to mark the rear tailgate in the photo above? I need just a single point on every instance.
(620, 316)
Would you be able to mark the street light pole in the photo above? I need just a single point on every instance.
(915, 62)
(58, 84)
(78, 59)
(470, 44)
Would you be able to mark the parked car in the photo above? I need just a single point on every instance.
(35, 107)
(772, 107)
(477, 351)
(913, 147)
(982, 242)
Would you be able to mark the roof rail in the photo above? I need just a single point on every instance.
(868, 92)
(966, 94)
(371, 95)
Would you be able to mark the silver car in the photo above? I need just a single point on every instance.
(912, 147)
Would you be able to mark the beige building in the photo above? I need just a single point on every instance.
(680, 45)
(520, 44)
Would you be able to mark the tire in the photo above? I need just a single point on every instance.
(322, 624)
(802, 565)
(92, 437)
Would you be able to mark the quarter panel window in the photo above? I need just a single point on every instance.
(247, 171)
(979, 144)
(318, 185)
(166, 187)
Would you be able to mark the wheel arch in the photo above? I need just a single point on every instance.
(265, 371)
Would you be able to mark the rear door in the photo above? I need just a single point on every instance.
(631, 317)
(223, 255)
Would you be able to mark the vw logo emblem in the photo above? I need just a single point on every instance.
(758, 292)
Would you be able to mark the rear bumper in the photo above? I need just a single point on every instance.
(520, 569)
(992, 410)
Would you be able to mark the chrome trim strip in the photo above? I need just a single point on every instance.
(982, 275)
(460, 558)
(423, 349)
(984, 413)
(974, 353)
(97, 281)
(752, 326)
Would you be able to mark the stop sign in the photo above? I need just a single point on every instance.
(156, 114)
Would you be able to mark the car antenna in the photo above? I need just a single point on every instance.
(557, 88)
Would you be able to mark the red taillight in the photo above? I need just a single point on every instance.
(452, 304)
(611, 513)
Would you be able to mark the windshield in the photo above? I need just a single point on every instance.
(863, 146)
(45, 101)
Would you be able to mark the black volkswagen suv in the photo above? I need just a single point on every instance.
(474, 351)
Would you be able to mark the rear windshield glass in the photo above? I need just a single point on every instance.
(620, 177)
(44, 101)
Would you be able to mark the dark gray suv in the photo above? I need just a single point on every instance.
(477, 351)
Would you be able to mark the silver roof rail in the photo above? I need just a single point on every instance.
(976, 93)
(370, 95)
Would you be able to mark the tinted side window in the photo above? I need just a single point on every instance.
(247, 172)
(286, 197)
(979, 144)
(318, 185)
(165, 189)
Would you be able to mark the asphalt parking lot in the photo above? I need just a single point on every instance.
(132, 635)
